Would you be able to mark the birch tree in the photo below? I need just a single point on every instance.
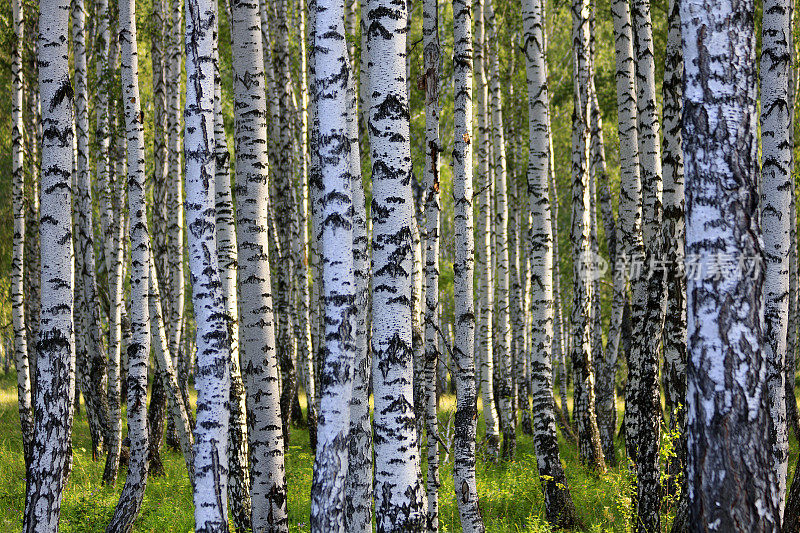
(727, 395)
(360, 467)
(334, 201)
(55, 346)
(212, 377)
(431, 57)
(484, 240)
(93, 385)
(398, 488)
(588, 433)
(466, 416)
(674, 369)
(21, 361)
(259, 363)
(130, 501)
(239, 476)
(559, 508)
(776, 190)
(630, 245)
(502, 287)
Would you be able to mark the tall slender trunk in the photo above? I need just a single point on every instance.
(284, 209)
(727, 398)
(360, 472)
(172, 393)
(431, 57)
(776, 185)
(130, 501)
(239, 476)
(93, 386)
(335, 203)
(559, 508)
(259, 363)
(115, 235)
(21, 361)
(176, 323)
(304, 339)
(588, 434)
(674, 370)
(398, 487)
(502, 338)
(630, 210)
(212, 377)
(466, 415)
(484, 240)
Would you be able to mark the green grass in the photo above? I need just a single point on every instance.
(510, 493)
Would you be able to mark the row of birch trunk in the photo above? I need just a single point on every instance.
(304, 278)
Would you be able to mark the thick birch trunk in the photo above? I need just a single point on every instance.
(727, 395)
(398, 488)
(259, 363)
(335, 203)
(212, 377)
(55, 346)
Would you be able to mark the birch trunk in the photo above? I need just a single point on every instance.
(239, 475)
(212, 377)
(674, 369)
(21, 361)
(484, 240)
(259, 363)
(559, 509)
(776, 190)
(466, 415)
(727, 400)
(130, 501)
(431, 57)
(93, 387)
(335, 203)
(360, 471)
(581, 354)
(55, 346)
(502, 339)
(398, 488)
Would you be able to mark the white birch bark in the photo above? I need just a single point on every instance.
(176, 324)
(21, 361)
(776, 185)
(212, 377)
(502, 337)
(581, 354)
(55, 346)
(130, 500)
(466, 415)
(732, 483)
(93, 387)
(360, 467)
(398, 488)
(239, 476)
(259, 363)
(335, 203)
(483, 244)
(431, 57)
(559, 509)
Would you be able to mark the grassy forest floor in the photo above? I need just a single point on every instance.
(510, 494)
